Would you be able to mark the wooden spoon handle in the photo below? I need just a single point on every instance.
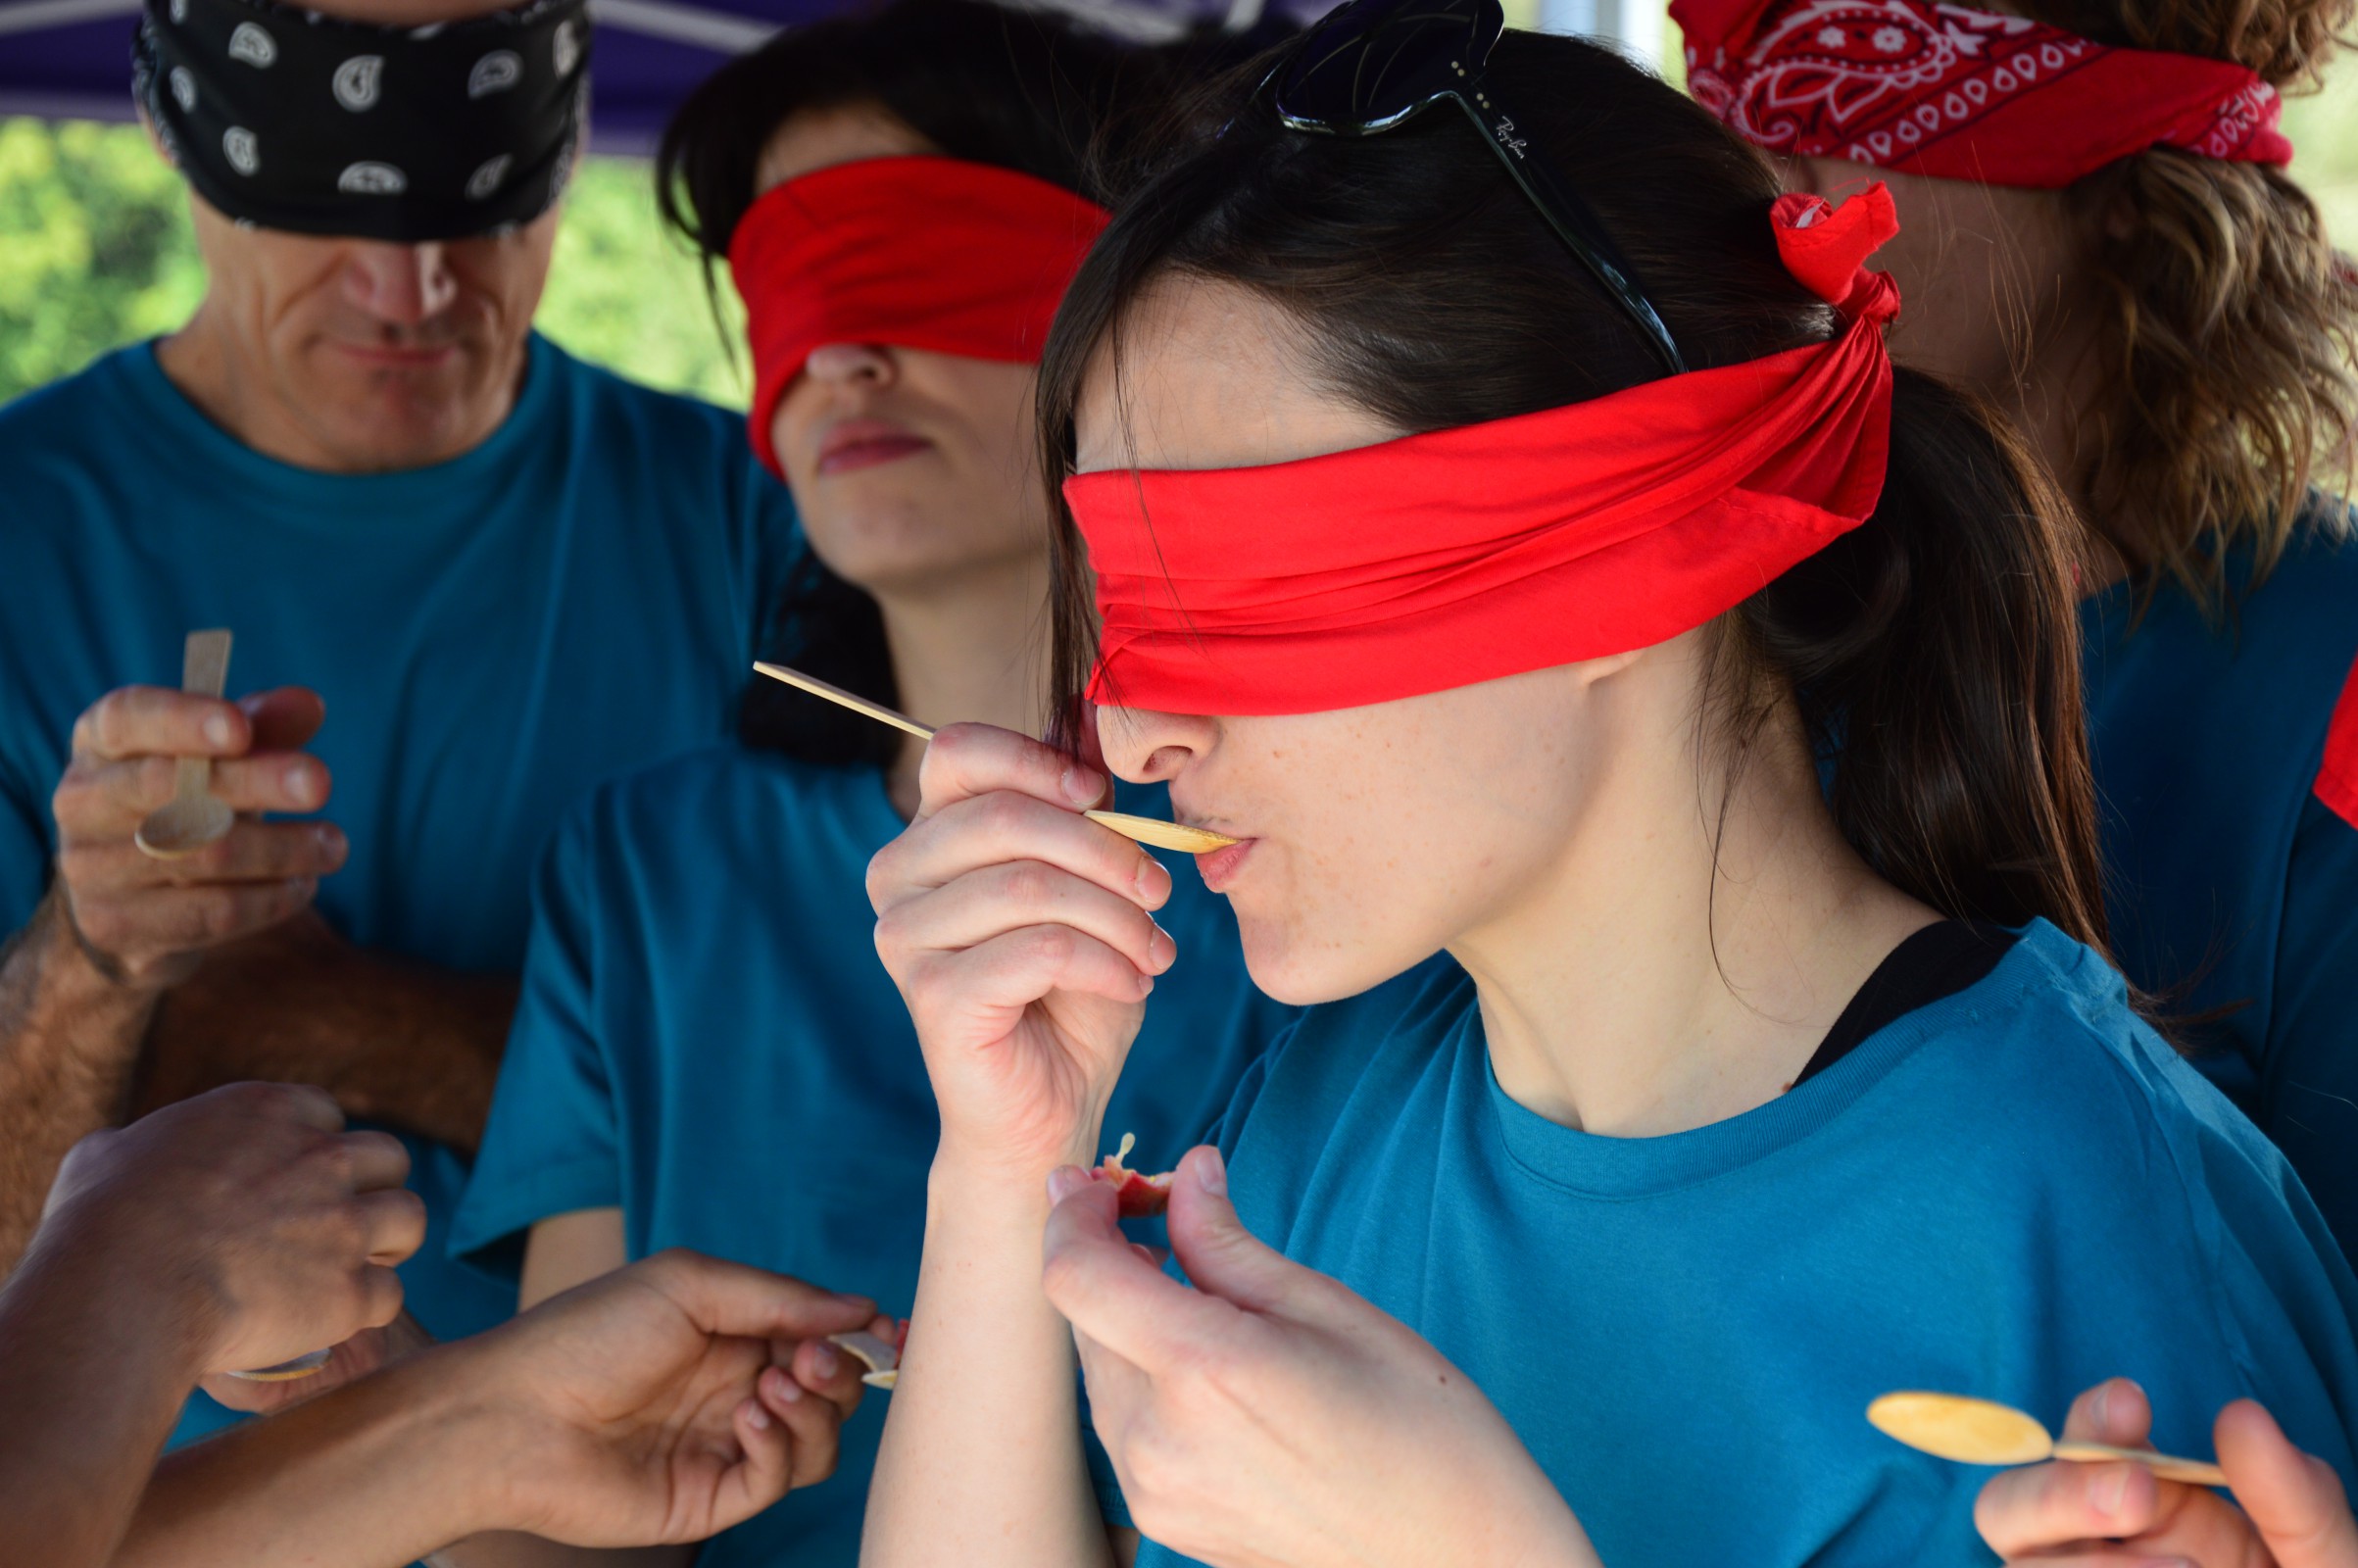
(2193, 1472)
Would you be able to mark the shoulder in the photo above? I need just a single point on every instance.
(616, 400)
(2047, 1056)
(63, 407)
(713, 810)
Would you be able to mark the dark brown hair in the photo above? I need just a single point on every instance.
(988, 84)
(1932, 653)
(2226, 355)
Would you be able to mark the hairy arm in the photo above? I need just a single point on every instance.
(395, 1041)
(70, 1034)
(67, 1484)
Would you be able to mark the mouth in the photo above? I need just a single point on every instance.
(416, 356)
(854, 444)
(1220, 868)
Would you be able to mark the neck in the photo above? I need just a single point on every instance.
(1655, 980)
(214, 367)
(973, 648)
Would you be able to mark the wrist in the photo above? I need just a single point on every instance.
(468, 1434)
(70, 958)
(99, 1248)
(998, 1174)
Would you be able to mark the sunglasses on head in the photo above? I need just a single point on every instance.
(1377, 64)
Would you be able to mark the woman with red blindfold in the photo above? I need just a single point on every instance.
(1649, 726)
(2099, 236)
(707, 1052)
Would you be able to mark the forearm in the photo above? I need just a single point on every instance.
(981, 1464)
(95, 1362)
(382, 1472)
(395, 1042)
(70, 1040)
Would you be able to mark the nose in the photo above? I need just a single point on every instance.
(851, 365)
(405, 285)
(1147, 747)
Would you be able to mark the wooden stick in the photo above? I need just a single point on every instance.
(2165, 1467)
(1141, 829)
(843, 699)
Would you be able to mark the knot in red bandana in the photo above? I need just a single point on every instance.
(1961, 94)
(921, 253)
(1826, 249)
(1466, 555)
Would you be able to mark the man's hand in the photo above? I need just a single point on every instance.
(663, 1401)
(369, 1350)
(2066, 1516)
(142, 921)
(246, 1221)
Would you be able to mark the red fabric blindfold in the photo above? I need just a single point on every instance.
(1461, 556)
(921, 253)
(1958, 94)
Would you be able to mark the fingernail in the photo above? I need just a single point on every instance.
(219, 731)
(824, 1361)
(1162, 949)
(1151, 881)
(789, 1390)
(1065, 1181)
(860, 1303)
(758, 1420)
(303, 784)
(2108, 1488)
(1081, 786)
(1146, 986)
(1211, 1172)
(331, 840)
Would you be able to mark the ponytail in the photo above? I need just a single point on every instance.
(1935, 657)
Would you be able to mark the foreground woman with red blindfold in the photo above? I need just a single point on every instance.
(1650, 724)
(2104, 241)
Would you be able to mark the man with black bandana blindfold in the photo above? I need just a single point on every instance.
(506, 574)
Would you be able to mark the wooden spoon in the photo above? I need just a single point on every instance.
(1952, 1426)
(1144, 829)
(882, 1360)
(195, 816)
(302, 1367)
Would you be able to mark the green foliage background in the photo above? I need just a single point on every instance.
(95, 251)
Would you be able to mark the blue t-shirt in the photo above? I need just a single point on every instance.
(2232, 882)
(708, 1040)
(575, 597)
(2014, 1192)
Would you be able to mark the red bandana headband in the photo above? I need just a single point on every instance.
(1958, 94)
(921, 253)
(1461, 556)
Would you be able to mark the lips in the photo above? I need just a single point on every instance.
(1220, 868)
(854, 443)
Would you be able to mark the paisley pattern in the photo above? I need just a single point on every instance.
(290, 120)
(1946, 90)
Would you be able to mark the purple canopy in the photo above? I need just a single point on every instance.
(71, 57)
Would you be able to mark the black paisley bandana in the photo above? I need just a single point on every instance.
(286, 119)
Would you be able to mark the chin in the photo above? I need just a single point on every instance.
(1302, 972)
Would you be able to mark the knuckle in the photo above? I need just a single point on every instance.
(1027, 883)
(1054, 943)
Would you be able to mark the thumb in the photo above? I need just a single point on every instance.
(2294, 1502)
(740, 1302)
(1220, 1256)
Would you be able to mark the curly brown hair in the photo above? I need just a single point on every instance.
(2228, 355)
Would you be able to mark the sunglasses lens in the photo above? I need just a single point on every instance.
(1376, 62)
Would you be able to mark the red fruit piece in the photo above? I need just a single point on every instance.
(1137, 1193)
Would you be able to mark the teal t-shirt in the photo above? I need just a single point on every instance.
(709, 1041)
(2014, 1192)
(2230, 878)
(575, 597)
